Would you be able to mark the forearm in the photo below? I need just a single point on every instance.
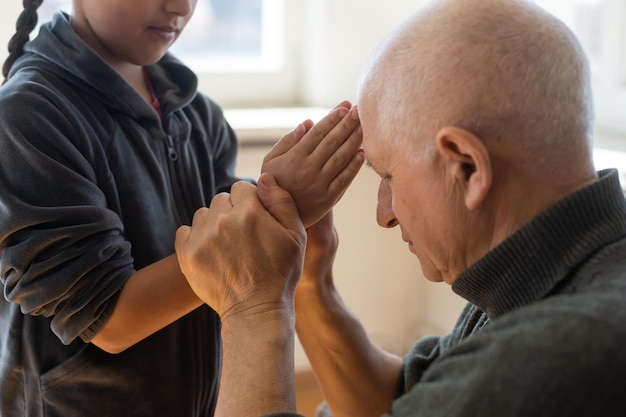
(356, 377)
(153, 298)
(258, 365)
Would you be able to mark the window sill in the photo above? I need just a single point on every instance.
(264, 126)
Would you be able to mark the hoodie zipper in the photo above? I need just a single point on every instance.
(172, 155)
(171, 150)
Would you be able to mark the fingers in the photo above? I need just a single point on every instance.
(289, 140)
(277, 201)
(346, 175)
(242, 192)
(307, 136)
(329, 133)
(188, 241)
(221, 255)
(280, 205)
(345, 104)
(317, 168)
(347, 130)
(182, 237)
(339, 148)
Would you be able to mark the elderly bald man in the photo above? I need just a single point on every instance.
(477, 116)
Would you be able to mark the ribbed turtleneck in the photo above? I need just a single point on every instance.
(534, 260)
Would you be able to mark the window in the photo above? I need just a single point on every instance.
(233, 36)
(584, 17)
(49, 7)
(599, 25)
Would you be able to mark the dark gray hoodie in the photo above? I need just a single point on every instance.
(93, 186)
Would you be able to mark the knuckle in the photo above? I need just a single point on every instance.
(240, 186)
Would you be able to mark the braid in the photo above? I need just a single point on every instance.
(26, 22)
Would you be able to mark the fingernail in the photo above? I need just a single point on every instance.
(342, 112)
(267, 180)
(342, 104)
(355, 113)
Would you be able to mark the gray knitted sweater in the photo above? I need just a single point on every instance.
(543, 333)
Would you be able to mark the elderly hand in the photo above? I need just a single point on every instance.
(317, 163)
(240, 258)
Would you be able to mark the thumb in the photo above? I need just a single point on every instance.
(279, 203)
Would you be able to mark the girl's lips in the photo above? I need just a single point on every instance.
(164, 32)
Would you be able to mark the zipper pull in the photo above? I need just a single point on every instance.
(171, 151)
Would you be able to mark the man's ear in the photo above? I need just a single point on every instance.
(467, 162)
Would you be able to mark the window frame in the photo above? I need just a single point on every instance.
(270, 85)
(609, 82)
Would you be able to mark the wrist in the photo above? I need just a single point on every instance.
(315, 285)
(257, 363)
(268, 322)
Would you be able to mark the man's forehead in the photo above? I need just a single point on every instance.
(377, 152)
(369, 144)
(371, 154)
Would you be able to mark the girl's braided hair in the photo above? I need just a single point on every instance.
(26, 22)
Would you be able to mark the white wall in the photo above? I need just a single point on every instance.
(9, 10)
(326, 45)
(340, 37)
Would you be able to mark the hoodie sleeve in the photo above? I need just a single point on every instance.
(63, 254)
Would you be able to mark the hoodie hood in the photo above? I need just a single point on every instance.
(60, 51)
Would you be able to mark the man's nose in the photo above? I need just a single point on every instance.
(385, 217)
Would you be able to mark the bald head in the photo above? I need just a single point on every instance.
(503, 69)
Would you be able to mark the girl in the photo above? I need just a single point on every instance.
(106, 148)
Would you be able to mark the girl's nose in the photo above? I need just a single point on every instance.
(180, 7)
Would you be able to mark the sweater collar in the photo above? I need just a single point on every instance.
(67, 55)
(532, 262)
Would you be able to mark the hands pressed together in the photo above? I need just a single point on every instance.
(240, 258)
(317, 163)
(244, 254)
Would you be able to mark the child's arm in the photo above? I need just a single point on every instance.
(317, 163)
(152, 298)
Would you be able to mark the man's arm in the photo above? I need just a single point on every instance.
(244, 261)
(356, 376)
(257, 366)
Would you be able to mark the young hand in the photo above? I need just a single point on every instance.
(317, 163)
